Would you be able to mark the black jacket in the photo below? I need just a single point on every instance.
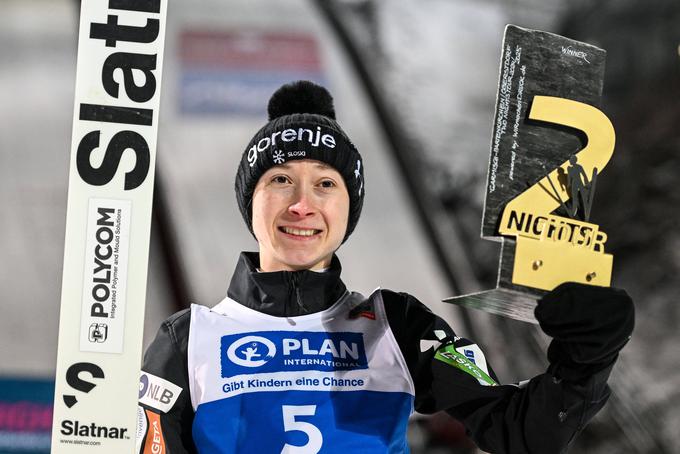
(541, 416)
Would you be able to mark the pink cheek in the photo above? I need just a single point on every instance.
(273, 206)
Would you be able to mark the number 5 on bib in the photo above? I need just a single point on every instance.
(315, 438)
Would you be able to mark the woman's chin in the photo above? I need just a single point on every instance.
(297, 262)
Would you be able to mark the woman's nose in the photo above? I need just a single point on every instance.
(303, 204)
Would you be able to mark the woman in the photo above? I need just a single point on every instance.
(292, 362)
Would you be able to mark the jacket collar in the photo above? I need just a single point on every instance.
(285, 293)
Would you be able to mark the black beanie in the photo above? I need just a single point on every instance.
(301, 126)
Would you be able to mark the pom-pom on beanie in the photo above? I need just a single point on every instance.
(301, 126)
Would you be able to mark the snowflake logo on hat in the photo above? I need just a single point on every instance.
(278, 157)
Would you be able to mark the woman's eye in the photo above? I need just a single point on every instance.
(280, 179)
(327, 184)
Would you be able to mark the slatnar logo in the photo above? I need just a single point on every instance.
(283, 351)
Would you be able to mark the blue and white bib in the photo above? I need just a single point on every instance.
(329, 382)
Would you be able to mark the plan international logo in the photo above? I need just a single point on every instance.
(288, 351)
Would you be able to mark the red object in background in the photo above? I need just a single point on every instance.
(234, 72)
(250, 50)
(25, 416)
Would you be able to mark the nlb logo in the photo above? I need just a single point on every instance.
(157, 392)
(283, 351)
(251, 351)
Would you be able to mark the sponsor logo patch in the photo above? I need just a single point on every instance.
(448, 354)
(157, 393)
(155, 443)
(475, 355)
(105, 279)
(301, 135)
(284, 351)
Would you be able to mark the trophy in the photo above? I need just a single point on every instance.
(548, 147)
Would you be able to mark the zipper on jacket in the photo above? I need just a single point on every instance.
(295, 283)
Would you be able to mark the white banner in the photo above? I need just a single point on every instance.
(113, 151)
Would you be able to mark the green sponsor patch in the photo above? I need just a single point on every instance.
(449, 355)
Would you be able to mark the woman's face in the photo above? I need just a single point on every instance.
(300, 213)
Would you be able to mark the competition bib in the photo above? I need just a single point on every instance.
(330, 382)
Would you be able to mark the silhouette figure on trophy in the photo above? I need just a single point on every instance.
(581, 190)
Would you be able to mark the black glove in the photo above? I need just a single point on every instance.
(588, 324)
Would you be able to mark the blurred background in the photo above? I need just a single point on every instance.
(415, 85)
